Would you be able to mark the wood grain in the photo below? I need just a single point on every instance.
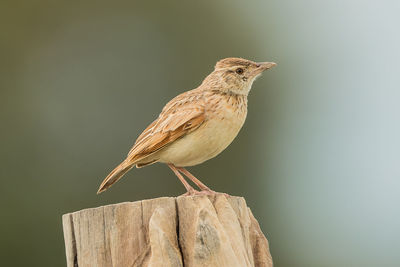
(184, 231)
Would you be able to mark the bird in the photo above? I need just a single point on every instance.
(196, 125)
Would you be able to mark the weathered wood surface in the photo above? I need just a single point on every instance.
(183, 231)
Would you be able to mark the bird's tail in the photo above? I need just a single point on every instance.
(115, 175)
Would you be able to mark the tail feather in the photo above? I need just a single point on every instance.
(115, 175)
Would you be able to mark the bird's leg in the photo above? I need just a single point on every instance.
(202, 186)
(189, 188)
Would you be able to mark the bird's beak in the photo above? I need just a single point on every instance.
(266, 65)
(262, 66)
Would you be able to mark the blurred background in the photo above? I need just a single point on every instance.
(318, 157)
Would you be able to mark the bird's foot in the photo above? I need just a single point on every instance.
(225, 194)
(191, 192)
(206, 192)
(209, 192)
(199, 193)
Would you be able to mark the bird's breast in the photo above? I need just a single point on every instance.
(224, 119)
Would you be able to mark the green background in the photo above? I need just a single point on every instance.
(317, 159)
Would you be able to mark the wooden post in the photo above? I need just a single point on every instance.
(183, 231)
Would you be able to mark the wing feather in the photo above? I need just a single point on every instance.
(180, 116)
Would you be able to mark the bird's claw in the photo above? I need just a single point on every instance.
(192, 192)
(206, 192)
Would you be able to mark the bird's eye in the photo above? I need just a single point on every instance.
(239, 71)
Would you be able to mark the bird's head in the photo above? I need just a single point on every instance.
(236, 75)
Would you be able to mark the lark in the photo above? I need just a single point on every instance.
(196, 125)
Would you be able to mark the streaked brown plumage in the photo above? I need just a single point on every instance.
(196, 125)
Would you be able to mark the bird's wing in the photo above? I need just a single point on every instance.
(181, 115)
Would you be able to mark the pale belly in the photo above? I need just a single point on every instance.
(204, 143)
